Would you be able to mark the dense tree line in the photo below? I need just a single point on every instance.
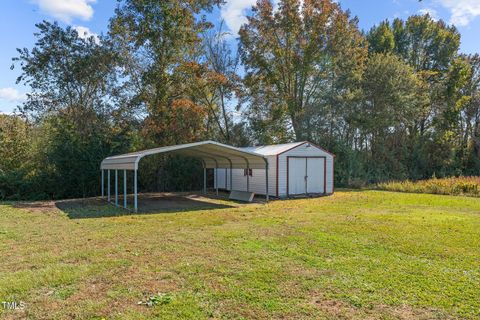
(399, 101)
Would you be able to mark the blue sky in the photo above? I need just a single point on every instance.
(18, 18)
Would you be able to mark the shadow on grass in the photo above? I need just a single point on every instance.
(148, 204)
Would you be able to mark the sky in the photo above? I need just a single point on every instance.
(18, 18)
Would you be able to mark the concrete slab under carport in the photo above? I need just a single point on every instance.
(158, 202)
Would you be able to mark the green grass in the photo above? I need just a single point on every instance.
(467, 186)
(354, 255)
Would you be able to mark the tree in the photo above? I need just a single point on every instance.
(166, 78)
(162, 38)
(471, 138)
(381, 38)
(73, 83)
(15, 156)
(66, 73)
(394, 98)
(428, 46)
(301, 61)
(223, 83)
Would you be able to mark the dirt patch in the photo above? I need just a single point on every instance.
(36, 206)
(342, 310)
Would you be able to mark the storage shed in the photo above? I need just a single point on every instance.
(298, 168)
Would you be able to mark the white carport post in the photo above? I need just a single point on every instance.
(103, 182)
(204, 177)
(216, 177)
(125, 189)
(248, 176)
(116, 187)
(266, 180)
(108, 185)
(231, 175)
(231, 166)
(135, 198)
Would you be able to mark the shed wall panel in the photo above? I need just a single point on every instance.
(256, 181)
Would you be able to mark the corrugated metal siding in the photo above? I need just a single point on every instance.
(223, 178)
(257, 180)
(303, 151)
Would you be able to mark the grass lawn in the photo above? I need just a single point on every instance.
(354, 255)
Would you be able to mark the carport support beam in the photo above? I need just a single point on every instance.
(204, 179)
(248, 177)
(231, 174)
(103, 182)
(216, 179)
(266, 180)
(215, 174)
(135, 197)
(108, 185)
(116, 187)
(125, 189)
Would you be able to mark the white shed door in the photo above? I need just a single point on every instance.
(306, 175)
(297, 171)
(315, 175)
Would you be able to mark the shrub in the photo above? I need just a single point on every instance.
(467, 186)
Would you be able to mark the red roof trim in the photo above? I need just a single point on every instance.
(313, 144)
(301, 144)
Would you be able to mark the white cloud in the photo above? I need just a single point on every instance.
(11, 95)
(66, 10)
(85, 33)
(462, 11)
(430, 11)
(234, 13)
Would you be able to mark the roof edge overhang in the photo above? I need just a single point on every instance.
(213, 155)
(311, 143)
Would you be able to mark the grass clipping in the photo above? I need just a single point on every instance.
(466, 186)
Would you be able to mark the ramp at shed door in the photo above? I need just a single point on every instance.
(241, 196)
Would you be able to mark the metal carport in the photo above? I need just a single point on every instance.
(213, 155)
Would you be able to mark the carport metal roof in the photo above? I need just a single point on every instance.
(213, 155)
